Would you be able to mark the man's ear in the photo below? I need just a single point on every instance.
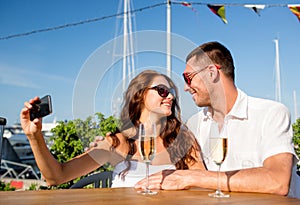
(214, 73)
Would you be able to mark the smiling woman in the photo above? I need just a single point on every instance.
(151, 97)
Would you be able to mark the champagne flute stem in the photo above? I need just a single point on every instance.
(147, 175)
(219, 182)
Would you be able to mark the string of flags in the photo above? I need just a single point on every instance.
(219, 9)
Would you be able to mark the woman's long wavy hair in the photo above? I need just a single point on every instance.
(177, 139)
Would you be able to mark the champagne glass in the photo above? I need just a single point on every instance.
(218, 149)
(147, 143)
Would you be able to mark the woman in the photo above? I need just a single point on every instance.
(150, 96)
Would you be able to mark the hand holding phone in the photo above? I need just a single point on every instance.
(41, 108)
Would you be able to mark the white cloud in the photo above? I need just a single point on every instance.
(26, 78)
(15, 77)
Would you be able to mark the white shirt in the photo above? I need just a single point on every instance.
(257, 129)
(136, 173)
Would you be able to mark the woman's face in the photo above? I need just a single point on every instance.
(154, 102)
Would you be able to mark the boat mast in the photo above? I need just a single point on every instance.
(125, 32)
(169, 38)
(278, 86)
(295, 106)
(128, 48)
(131, 65)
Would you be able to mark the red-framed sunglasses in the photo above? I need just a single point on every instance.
(188, 77)
(163, 90)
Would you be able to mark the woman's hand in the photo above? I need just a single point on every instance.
(34, 127)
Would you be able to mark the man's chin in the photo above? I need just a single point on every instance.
(195, 100)
(199, 104)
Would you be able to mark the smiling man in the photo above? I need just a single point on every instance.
(260, 153)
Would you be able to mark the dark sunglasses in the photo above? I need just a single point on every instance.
(188, 77)
(163, 90)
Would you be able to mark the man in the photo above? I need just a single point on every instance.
(260, 150)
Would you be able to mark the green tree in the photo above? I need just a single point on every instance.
(296, 137)
(66, 143)
(96, 125)
(71, 138)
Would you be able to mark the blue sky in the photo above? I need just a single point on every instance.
(53, 62)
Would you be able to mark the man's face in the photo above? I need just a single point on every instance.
(198, 87)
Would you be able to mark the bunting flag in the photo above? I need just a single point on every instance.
(187, 4)
(255, 8)
(296, 10)
(219, 11)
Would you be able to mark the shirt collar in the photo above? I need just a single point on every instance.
(239, 109)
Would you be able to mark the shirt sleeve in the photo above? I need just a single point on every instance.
(277, 134)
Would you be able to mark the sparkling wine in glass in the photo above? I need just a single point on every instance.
(147, 142)
(218, 149)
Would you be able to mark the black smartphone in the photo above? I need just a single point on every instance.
(41, 108)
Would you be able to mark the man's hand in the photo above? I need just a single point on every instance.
(166, 179)
(96, 140)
